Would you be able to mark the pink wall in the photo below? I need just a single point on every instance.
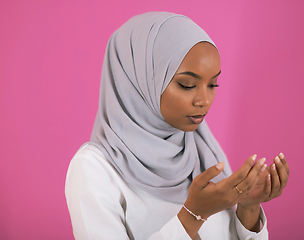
(51, 54)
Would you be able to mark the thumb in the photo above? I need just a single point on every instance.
(204, 178)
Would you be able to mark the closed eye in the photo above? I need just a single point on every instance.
(213, 85)
(186, 87)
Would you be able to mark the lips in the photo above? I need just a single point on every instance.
(197, 119)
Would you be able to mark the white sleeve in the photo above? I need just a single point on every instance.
(173, 230)
(245, 234)
(96, 204)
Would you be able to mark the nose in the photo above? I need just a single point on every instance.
(202, 99)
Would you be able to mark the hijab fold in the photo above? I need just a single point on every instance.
(141, 58)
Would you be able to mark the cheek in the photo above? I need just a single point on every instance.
(174, 101)
(166, 104)
(183, 103)
(213, 96)
(210, 96)
(170, 104)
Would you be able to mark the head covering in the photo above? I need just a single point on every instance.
(141, 58)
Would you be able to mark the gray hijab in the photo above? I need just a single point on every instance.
(141, 58)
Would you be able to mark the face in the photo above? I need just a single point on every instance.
(189, 95)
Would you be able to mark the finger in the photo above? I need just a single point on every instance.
(253, 176)
(242, 172)
(284, 162)
(267, 190)
(283, 176)
(203, 179)
(275, 181)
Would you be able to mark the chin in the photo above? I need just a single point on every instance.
(189, 128)
(186, 127)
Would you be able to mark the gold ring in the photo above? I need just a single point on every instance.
(239, 191)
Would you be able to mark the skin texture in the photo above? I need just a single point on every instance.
(188, 95)
(191, 93)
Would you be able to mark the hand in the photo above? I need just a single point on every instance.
(206, 198)
(270, 185)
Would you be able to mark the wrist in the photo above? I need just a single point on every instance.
(189, 222)
(249, 208)
(249, 216)
(197, 217)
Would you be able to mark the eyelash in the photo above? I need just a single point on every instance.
(188, 88)
(185, 87)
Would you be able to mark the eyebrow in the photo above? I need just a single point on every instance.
(192, 74)
(217, 74)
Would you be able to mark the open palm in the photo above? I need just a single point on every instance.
(270, 184)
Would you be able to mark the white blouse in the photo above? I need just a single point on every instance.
(103, 206)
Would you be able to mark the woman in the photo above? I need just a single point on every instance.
(152, 169)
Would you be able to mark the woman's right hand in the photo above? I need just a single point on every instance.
(206, 198)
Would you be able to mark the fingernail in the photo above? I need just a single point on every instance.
(277, 160)
(273, 167)
(262, 161)
(263, 167)
(281, 156)
(219, 166)
(268, 177)
(254, 157)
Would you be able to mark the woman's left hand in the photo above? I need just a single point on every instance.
(270, 185)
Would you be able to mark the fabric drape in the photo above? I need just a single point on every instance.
(141, 58)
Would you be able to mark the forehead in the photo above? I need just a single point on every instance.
(202, 56)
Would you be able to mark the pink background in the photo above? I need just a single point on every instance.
(51, 54)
